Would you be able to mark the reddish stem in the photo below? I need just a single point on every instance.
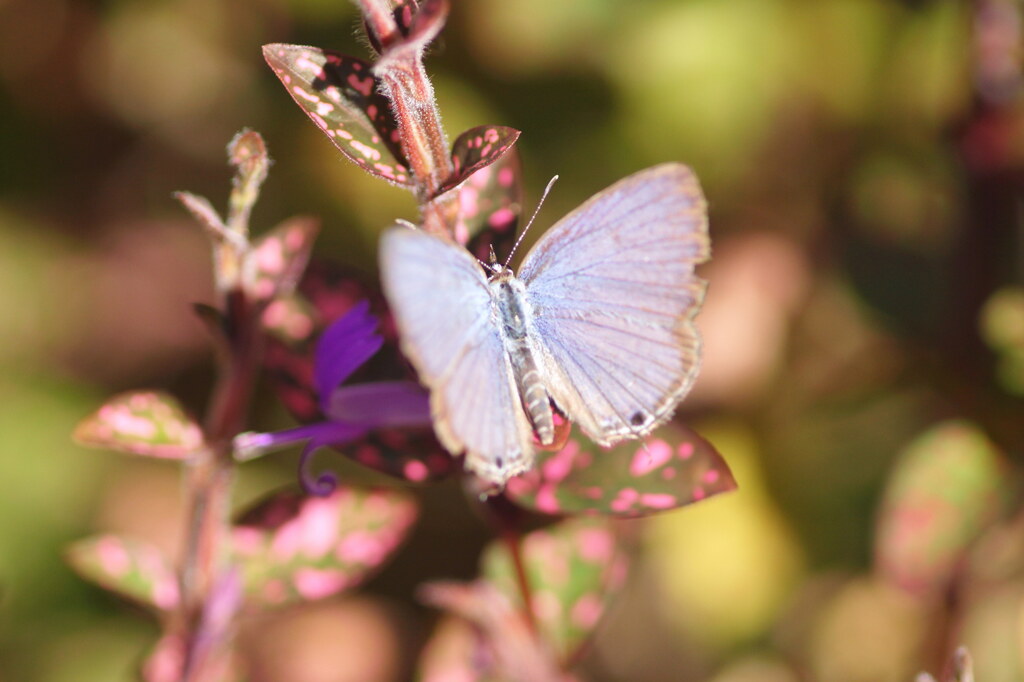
(211, 476)
(405, 83)
(515, 548)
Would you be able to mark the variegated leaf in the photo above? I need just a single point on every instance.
(130, 568)
(672, 468)
(948, 484)
(573, 569)
(478, 148)
(340, 95)
(296, 548)
(147, 423)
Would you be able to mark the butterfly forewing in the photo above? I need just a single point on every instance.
(445, 315)
(614, 293)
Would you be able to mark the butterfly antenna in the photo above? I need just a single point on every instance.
(551, 183)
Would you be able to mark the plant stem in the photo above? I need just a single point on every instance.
(513, 541)
(211, 477)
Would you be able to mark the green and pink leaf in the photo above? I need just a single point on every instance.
(670, 469)
(147, 423)
(295, 548)
(127, 567)
(476, 149)
(948, 485)
(340, 95)
(573, 568)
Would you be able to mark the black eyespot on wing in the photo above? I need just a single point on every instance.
(638, 419)
(499, 462)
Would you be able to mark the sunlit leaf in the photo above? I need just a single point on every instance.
(478, 148)
(296, 548)
(277, 260)
(339, 93)
(147, 423)
(130, 568)
(573, 569)
(670, 469)
(490, 202)
(947, 486)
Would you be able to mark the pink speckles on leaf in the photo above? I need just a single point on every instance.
(625, 500)
(315, 547)
(142, 423)
(416, 471)
(131, 568)
(658, 501)
(312, 583)
(340, 95)
(587, 611)
(651, 457)
(626, 480)
(572, 567)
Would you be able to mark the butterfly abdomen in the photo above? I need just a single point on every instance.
(515, 324)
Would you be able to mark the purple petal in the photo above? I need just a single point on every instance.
(385, 403)
(252, 445)
(343, 347)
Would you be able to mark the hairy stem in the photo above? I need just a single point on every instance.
(405, 83)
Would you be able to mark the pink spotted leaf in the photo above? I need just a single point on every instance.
(340, 95)
(130, 568)
(672, 468)
(489, 205)
(574, 569)
(478, 148)
(295, 548)
(149, 423)
(277, 260)
(948, 485)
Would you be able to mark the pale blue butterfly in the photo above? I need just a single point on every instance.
(599, 320)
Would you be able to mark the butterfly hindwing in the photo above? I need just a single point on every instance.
(445, 314)
(614, 293)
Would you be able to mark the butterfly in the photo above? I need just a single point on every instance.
(599, 322)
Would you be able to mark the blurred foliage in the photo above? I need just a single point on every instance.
(862, 161)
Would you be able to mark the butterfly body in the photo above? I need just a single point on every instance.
(599, 321)
(516, 319)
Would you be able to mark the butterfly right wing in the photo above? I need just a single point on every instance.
(448, 328)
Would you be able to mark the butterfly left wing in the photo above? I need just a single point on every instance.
(614, 294)
(448, 329)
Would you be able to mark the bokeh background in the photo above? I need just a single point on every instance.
(862, 161)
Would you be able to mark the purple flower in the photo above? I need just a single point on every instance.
(352, 411)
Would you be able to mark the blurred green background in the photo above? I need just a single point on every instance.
(862, 161)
